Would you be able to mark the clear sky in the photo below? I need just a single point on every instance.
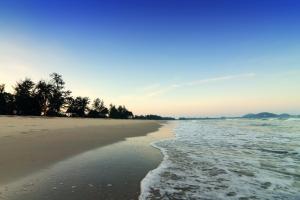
(168, 57)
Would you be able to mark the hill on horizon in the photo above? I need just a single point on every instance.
(267, 115)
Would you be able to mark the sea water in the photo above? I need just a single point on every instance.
(228, 159)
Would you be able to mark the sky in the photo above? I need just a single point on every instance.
(167, 57)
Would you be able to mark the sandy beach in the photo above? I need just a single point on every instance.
(28, 145)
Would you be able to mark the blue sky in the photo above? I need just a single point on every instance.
(170, 57)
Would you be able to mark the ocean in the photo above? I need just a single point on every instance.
(235, 159)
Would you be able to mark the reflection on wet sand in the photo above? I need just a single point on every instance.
(110, 172)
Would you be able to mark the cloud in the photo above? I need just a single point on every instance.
(160, 91)
(169, 88)
(217, 79)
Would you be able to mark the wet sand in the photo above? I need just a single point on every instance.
(62, 158)
(114, 171)
(30, 144)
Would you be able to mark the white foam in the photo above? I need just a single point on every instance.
(153, 175)
(227, 159)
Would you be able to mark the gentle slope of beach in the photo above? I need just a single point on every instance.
(30, 144)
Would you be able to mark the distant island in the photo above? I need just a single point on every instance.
(262, 115)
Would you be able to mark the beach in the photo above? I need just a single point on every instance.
(33, 149)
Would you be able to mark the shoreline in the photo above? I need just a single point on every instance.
(113, 171)
(145, 182)
(28, 145)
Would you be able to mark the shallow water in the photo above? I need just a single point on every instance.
(109, 172)
(228, 159)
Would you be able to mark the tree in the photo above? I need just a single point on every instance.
(6, 102)
(51, 99)
(119, 113)
(42, 94)
(124, 113)
(2, 88)
(153, 117)
(25, 103)
(59, 97)
(113, 112)
(2, 100)
(78, 106)
(98, 109)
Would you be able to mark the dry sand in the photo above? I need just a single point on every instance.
(29, 144)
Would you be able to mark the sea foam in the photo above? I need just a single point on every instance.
(228, 159)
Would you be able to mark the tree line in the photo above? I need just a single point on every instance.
(153, 117)
(51, 98)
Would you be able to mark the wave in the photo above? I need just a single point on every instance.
(227, 160)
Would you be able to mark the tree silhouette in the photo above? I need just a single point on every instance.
(78, 106)
(58, 97)
(2, 88)
(153, 117)
(2, 100)
(42, 94)
(113, 112)
(119, 113)
(6, 102)
(25, 102)
(124, 113)
(98, 109)
(52, 99)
